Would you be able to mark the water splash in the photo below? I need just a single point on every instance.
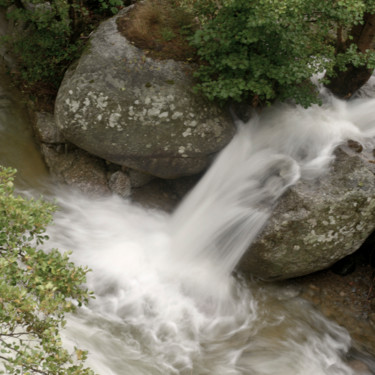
(166, 301)
(147, 320)
(226, 211)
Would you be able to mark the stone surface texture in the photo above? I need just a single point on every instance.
(77, 168)
(46, 129)
(317, 223)
(120, 105)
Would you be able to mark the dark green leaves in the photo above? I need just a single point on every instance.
(270, 49)
(51, 34)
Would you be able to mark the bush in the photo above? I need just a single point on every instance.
(266, 49)
(52, 34)
(37, 289)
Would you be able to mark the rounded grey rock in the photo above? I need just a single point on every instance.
(317, 223)
(129, 109)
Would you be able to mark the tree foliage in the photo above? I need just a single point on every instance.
(267, 49)
(50, 34)
(37, 289)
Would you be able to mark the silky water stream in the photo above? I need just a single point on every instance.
(166, 300)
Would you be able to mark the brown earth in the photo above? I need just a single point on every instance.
(160, 29)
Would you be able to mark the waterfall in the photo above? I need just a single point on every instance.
(225, 212)
(166, 301)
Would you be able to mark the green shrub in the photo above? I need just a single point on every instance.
(52, 34)
(36, 289)
(267, 49)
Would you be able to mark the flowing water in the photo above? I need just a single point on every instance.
(17, 148)
(166, 300)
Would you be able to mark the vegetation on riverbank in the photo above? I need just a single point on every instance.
(267, 50)
(248, 50)
(49, 36)
(37, 288)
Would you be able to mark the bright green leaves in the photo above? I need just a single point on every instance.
(37, 288)
(270, 49)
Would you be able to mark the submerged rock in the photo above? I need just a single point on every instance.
(315, 224)
(120, 184)
(120, 105)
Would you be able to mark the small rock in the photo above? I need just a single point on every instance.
(77, 168)
(358, 366)
(313, 287)
(119, 183)
(354, 145)
(138, 179)
(46, 129)
(289, 292)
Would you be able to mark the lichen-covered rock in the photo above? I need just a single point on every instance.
(317, 223)
(126, 108)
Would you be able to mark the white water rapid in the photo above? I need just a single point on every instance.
(166, 302)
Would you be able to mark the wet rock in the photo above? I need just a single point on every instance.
(46, 129)
(77, 168)
(356, 146)
(317, 223)
(158, 194)
(344, 266)
(119, 183)
(359, 366)
(120, 105)
(138, 179)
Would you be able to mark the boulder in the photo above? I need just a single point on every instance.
(317, 223)
(131, 110)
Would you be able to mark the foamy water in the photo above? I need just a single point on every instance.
(149, 318)
(166, 301)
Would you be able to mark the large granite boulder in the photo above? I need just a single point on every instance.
(317, 223)
(124, 107)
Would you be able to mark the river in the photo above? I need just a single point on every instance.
(167, 301)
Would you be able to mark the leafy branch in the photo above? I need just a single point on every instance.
(37, 289)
